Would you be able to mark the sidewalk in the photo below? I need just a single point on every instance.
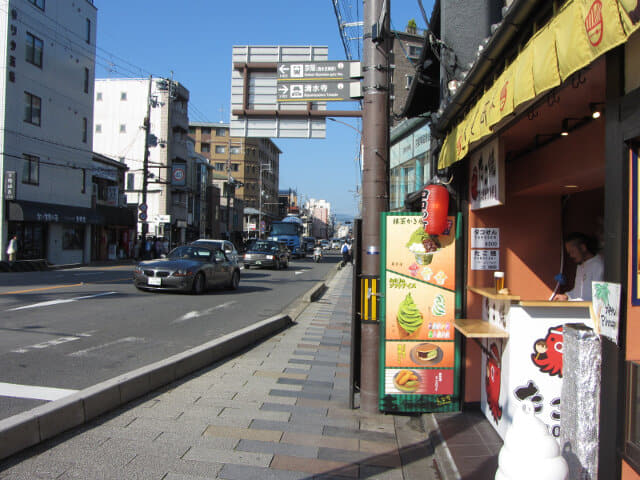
(278, 410)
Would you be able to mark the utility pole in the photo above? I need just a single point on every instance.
(375, 140)
(145, 163)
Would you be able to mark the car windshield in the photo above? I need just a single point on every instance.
(190, 253)
(284, 229)
(262, 246)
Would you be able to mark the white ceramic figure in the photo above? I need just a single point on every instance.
(530, 452)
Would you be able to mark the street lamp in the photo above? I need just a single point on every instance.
(345, 123)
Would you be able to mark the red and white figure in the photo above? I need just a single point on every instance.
(492, 382)
(547, 354)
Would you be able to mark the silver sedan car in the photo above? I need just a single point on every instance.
(189, 268)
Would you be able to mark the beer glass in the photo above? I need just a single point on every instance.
(498, 280)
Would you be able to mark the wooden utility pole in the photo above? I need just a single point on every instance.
(375, 139)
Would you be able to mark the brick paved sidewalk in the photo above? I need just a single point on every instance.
(276, 411)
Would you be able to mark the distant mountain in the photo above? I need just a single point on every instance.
(343, 217)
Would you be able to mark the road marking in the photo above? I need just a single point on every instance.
(54, 342)
(42, 289)
(299, 272)
(30, 391)
(81, 353)
(196, 314)
(60, 301)
(87, 273)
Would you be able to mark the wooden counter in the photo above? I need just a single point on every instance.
(477, 328)
(490, 292)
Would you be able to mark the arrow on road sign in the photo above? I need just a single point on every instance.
(283, 89)
(284, 69)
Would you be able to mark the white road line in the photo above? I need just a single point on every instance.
(81, 353)
(60, 301)
(29, 391)
(196, 314)
(54, 342)
(299, 272)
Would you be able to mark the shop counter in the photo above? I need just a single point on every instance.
(522, 354)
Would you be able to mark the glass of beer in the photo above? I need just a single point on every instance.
(498, 277)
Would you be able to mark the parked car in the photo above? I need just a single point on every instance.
(325, 245)
(228, 247)
(189, 268)
(266, 253)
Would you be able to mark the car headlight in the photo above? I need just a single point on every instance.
(182, 273)
(269, 257)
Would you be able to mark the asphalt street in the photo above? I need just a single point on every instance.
(65, 330)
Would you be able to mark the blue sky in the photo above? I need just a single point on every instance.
(193, 39)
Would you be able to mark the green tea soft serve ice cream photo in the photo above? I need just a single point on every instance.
(409, 317)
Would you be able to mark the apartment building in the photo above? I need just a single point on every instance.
(46, 101)
(320, 213)
(121, 107)
(251, 166)
(405, 54)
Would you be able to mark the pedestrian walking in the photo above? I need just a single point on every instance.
(345, 253)
(136, 249)
(147, 248)
(12, 249)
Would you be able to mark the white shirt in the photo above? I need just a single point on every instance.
(591, 270)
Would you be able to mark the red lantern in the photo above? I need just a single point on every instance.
(435, 207)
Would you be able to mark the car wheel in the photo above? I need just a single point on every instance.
(198, 284)
(235, 280)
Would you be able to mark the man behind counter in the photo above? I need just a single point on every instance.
(590, 267)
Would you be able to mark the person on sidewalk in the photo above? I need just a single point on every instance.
(590, 267)
(12, 249)
(345, 253)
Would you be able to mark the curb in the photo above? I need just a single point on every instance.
(46, 421)
(443, 459)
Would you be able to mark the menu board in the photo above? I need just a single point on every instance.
(420, 357)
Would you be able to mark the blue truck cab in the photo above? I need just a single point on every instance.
(289, 231)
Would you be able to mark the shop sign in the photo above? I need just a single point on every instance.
(395, 156)
(485, 238)
(420, 370)
(406, 149)
(10, 185)
(485, 259)
(251, 227)
(486, 187)
(421, 140)
(606, 308)
(112, 195)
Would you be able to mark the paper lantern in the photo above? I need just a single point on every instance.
(435, 207)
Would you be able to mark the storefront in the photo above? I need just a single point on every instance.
(545, 148)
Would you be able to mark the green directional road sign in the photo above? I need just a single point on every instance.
(317, 71)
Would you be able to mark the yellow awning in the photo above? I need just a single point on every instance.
(581, 32)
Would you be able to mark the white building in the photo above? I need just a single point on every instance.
(46, 100)
(320, 212)
(119, 118)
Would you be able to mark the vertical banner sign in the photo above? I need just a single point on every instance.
(420, 359)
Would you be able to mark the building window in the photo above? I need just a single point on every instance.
(85, 127)
(415, 51)
(205, 147)
(123, 96)
(38, 3)
(32, 109)
(98, 128)
(220, 149)
(88, 31)
(235, 167)
(235, 150)
(206, 130)
(99, 97)
(86, 80)
(72, 237)
(192, 130)
(31, 169)
(220, 166)
(409, 80)
(221, 132)
(131, 181)
(34, 50)
(123, 128)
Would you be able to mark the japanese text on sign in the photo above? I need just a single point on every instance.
(485, 259)
(485, 238)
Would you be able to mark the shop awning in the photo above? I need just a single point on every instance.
(581, 31)
(24, 211)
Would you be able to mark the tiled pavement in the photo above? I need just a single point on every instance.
(276, 411)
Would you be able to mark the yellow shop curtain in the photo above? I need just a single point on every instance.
(582, 31)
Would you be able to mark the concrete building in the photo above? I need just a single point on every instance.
(172, 190)
(320, 213)
(46, 102)
(406, 51)
(251, 165)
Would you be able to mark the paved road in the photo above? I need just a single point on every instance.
(69, 329)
